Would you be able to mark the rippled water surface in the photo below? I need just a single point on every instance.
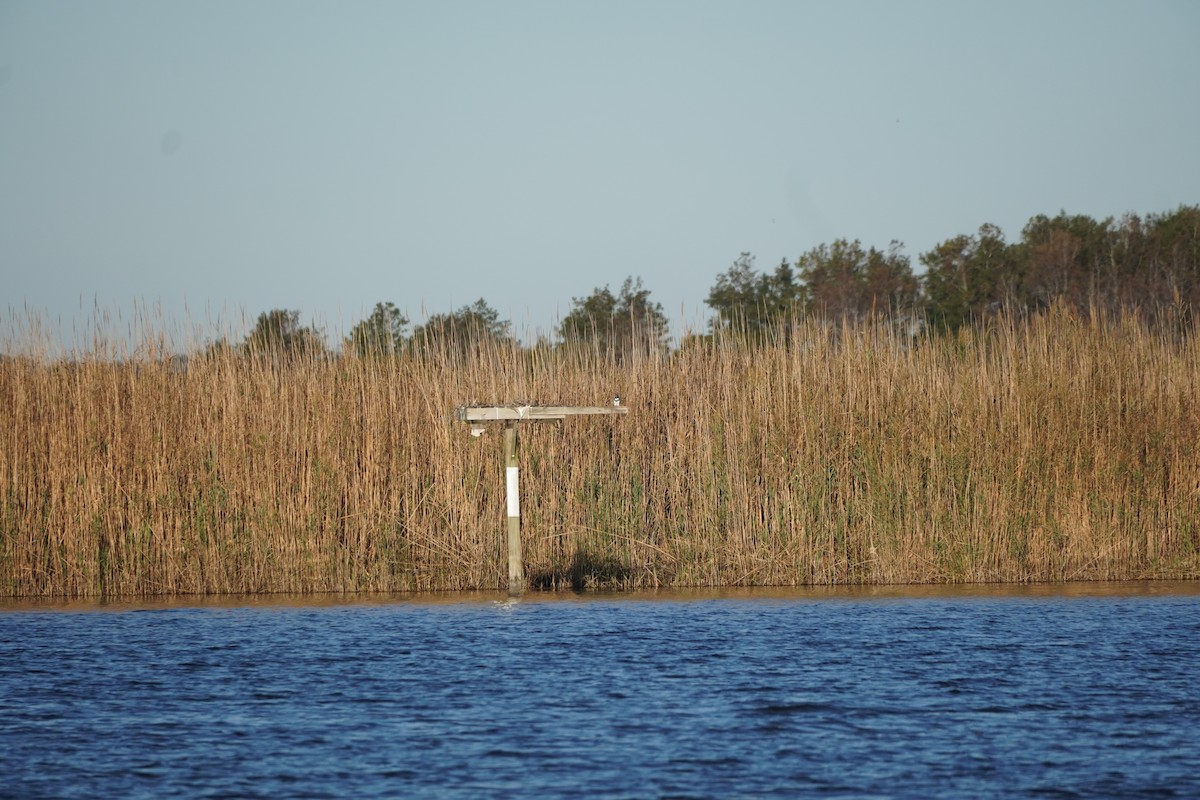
(1057, 693)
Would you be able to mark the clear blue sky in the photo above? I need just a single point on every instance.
(325, 156)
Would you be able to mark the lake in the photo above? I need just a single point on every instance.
(1062, 691)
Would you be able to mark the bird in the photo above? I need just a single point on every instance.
(616, 401)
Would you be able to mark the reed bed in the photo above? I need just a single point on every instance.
(1059, 448)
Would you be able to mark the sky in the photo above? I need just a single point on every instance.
(207, 161)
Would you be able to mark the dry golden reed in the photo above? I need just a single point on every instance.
(1061, 448)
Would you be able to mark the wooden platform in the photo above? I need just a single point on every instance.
(529, 413)
(512, 417)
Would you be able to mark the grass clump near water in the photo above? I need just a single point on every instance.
(1063, 447)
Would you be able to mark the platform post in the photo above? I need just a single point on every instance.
(478, 417)
(516, 571)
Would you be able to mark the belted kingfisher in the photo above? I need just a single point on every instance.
(616, 400)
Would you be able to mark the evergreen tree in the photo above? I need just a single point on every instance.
(463, 330)
(844, 282)
(751, 303)
(279, 334)
(969, 278)
(382, 333)
(620, 325)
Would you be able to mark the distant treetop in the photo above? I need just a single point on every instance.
(468, 327)
(382, 333)
(620, 325)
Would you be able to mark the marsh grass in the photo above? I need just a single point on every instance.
(1060, 448)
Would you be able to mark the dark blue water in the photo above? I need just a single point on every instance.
(811, 695)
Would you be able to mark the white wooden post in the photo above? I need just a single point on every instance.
(512, 479)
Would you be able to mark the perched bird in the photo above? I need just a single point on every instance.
(616, 401)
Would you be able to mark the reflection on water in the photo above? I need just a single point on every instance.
(758, 593)
(1068, 690)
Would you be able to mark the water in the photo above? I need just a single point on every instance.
(806, 694)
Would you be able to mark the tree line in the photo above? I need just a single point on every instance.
(1149, 265)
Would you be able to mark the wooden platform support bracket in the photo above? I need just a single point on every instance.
(511, 416)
